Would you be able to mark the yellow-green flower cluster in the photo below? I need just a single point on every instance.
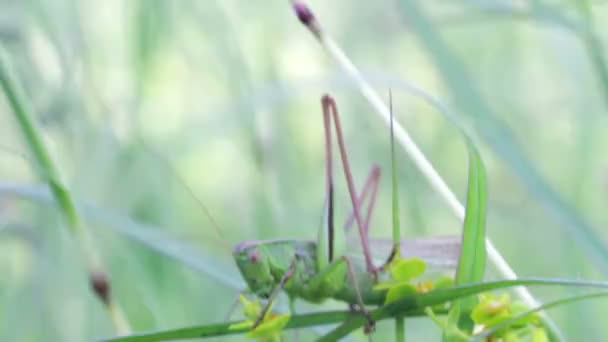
(269, 329)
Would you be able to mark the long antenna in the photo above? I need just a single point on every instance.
(182, 182)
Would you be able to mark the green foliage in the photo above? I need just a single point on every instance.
(403, 272)
(470, 101)
(413, 305)
(269, 329)
(472, 263)
(407, 269)
(538, 333)
(493, 311)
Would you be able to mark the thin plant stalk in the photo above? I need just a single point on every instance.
(400, 329)
(46, 170)
(307, 17)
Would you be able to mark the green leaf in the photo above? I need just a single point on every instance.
(511, 336)
(452, 333)
(251, 309)
(540, 335)
(444, 282)
(491, 308)
(271, 326)
(407, 269)
(385, 285)
(472, 263)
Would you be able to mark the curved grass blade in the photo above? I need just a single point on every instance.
(47, 171)
(410, 306)
(472, 263)
(149, 236)
(223, 329)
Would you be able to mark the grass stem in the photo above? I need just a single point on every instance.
(399, 329)
(46, 170)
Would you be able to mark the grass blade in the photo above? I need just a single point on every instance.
(472, 263)
(48, 172)
(410, 306)
(155, 238)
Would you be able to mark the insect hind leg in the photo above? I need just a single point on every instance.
(371, 324)
(371, 184)
(330, 281)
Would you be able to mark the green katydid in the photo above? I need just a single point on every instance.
(304, 269)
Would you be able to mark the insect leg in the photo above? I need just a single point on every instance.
(371, 183)
(332, 280)
(275, 293)
(233, 305)
(329, 182)
(330, 109)
(353, 279)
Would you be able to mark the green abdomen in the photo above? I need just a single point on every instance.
(314, 285)
(366, 284)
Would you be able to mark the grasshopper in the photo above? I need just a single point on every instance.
(305, 269)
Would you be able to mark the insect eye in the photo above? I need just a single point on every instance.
(254, 257)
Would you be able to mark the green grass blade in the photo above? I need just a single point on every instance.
(411, 306)
(152, 237)
(472, 261)
(222, 329)
(468, 99)
(48, 172)
(44, 165)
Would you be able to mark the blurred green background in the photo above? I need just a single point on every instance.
(227, 95)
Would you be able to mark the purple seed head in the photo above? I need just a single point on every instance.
(303, 12)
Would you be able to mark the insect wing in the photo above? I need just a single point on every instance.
(440, 253)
